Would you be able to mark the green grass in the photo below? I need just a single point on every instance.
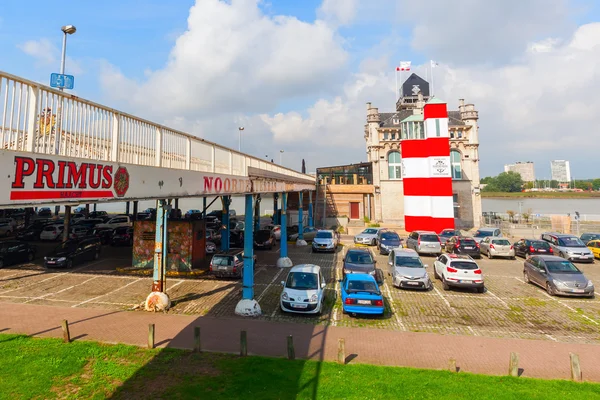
(48, 368)
(542, 195)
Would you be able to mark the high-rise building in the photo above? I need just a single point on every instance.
(525, 169)
(561, 171)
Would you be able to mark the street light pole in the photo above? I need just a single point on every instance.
(280, 157)
(240, 129)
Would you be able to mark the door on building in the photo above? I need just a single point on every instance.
(354, 210)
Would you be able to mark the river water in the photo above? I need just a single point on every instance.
(589, 209)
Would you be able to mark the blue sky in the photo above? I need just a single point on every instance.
(507, 60)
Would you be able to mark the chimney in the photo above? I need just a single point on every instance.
(368, 105)
(461, 105)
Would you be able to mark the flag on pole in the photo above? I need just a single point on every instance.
(434, 64)
(404, 66)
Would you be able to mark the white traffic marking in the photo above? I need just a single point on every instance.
(389, 293)
(62, 290)
(445, 300)
(106, 294)
(498, 298)
(269, 285)
(571, 308)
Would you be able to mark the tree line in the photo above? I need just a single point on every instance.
(512, 182)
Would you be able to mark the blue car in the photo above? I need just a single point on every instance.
(361, 295)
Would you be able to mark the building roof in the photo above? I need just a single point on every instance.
(435, 100)
(387, 119)
(454, 118)
(414, 117)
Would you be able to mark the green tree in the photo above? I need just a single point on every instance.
(487, 180)
(509, 182)
(596, 184)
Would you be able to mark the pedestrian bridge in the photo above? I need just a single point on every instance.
(58, 148)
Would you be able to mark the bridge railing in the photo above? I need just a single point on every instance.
(36, 118)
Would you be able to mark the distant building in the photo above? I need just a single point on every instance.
(561, 171)
(525, 169)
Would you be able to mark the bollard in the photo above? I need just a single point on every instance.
(576, 373)
(341, 358)
(513, 364)
(452, 365)
(243, 344)
(290, 348)
(65, 328)
(197, 346)
(150, 336)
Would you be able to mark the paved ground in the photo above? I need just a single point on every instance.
(509, 308)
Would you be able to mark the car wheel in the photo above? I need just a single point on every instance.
(373, 243)
(435, 274)
(549, 289)
(96, 255)
(513, 258)
(480, 289)
(1, 264)
(526, 277)
(445, 285)
(69, 264)
(561, 255)
(30, 257)
(489, 255)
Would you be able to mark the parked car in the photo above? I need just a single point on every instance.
(568, 247)
(368, 237)
(218, 214)
(116, 222)
(446, 234)
(52, 232)
(77, 217)
(89, 222)
(360, 261)
(586, 237)
(103, 215)
(361, 295)
(458, 270)
(263, 239)
(594, 246)
(527, 247)
(463, 245)
(44, 212)
(14, 252)
(387, 241)
(6, 229)
(79, 232)
(275, 229)
(424, 242)
(482, 233)
(122, 236)
(103, 234)
(325, 240)
(210, 247)
(308, 234)
(73, 252)
(189, 213)
(303, 290)
(497, 247)
(407, 270)
(557, 275)
(228, 264)
(147, 214)
(33, 231)
(236, 238)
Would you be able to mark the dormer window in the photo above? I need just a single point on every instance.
(396, 121)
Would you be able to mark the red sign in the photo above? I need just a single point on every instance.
(44, 179)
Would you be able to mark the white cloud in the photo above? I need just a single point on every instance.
(341, 12)
(47, 54)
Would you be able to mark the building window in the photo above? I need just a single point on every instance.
(394, 165)
(396, 121)
(437, 127)
(393, 136)
(455, 164)
(405, 130)
(456, 206)
(385, 136)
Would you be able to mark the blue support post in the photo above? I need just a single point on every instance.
(300, 241)
(284, 261)
(225, 236)
(160, 246)
(275, 214)
(248, 306)
(310, 210)
(257, 213)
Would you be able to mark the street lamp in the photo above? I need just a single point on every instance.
(240, 129)
(67, 30)
(280, 157)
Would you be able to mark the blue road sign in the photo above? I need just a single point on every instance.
(62, 81)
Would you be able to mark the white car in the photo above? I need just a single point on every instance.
(275, 230)
(303, 290)
(368, 237)
(52, 232)
(458, 270)
(116, 222)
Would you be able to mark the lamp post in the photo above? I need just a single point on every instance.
(280, 157)
(67, 30)
(240, 129)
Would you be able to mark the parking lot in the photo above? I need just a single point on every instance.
(508, 308)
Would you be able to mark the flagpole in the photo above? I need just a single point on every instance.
(396, 94)
(432, 84)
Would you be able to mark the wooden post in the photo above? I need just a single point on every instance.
(513, 364)
(243, 344)
(197, 343)
(341, 359)
(290, 348)
(576, 374)
(65, 328)
(452, 365)
(150, 336)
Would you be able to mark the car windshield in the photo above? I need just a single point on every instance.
(570, 241)
(222, 260)
(362, 286)
(390, 236)
(483, 233)
(501, 242)
(362, 257)
(540, 245)
(429, 238)
(464, 265)
(410, 262)
(467, 242)
(590, 236)
(324, 235)
(302, 281)
(563, 267)
(370, 231)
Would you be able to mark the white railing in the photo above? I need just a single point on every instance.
(36, 118)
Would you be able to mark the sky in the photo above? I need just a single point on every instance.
(297, 74)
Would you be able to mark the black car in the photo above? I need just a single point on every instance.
(236, 238)
(33, 231)
(360, 260)
(103, 234)
(13, 252)
(527, 247)
(44, 212)
(463, 245)
(73, 252)
(98, 214)
(263, 239)
(387, 241)
(447, 234)
(122, 236)
(89, 222)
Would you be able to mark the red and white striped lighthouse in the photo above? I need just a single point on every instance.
(427, 178)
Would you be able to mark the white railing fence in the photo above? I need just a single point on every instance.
(39, 119)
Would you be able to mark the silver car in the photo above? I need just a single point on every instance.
(558, 276)
(424, 242)
(368, 237)
(482, 233)
(407, 270)
(569, 247)
(493, 246)
(325, 240)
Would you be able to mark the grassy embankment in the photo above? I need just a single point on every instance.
(542, 195)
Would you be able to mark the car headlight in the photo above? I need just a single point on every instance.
(372, 272)
(559, 283)
(62, 259)
(347, 271)
(590, 284)
(314, 298)
(45, 258)
(285, 296)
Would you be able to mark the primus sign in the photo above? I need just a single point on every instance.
(47, 179)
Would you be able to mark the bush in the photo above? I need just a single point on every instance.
(366, 219)
(375, 225)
